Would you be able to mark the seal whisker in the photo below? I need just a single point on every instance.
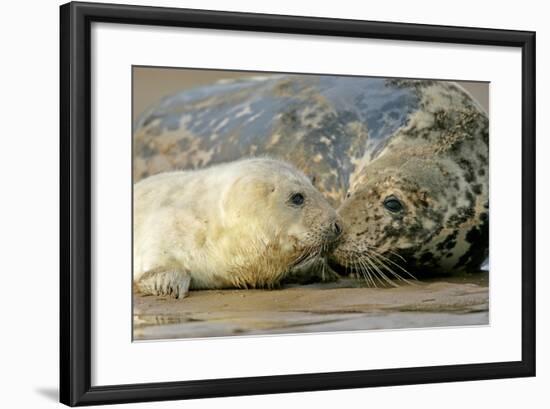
(366, 275)
(362, 270)
(370, 273)
(394, 263)
(354, 262)
(323, 270)
(389, 269)
(381, 273)
(393, 253)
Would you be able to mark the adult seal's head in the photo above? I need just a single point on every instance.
(420, 201)
(243, 224)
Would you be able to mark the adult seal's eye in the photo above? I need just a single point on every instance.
(393, 204)
(297, 199)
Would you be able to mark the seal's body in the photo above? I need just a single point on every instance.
(428, 140)
(241, 224)
(317, 123)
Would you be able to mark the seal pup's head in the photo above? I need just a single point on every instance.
(279, 218)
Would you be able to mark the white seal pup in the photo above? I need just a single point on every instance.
(241, 224)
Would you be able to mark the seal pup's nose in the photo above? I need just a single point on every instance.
(336, 229)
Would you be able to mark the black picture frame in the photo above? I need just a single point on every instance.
(76, 199)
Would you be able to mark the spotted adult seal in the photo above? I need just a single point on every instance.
(423, 195)
(338, 130)
(242, 224)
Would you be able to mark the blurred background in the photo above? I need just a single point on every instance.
(150, 84)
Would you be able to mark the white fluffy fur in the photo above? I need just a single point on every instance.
(229, 225)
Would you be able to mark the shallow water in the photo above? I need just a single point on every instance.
(345, 305)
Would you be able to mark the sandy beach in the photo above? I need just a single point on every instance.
(340, 306)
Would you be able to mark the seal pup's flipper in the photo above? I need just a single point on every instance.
(164, 283)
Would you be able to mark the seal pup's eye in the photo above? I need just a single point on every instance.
(297, 199)
(393, 204)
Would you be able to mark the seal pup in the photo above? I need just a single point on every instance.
(241, 224)
(420, 202)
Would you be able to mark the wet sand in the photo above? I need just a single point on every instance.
(340, 306)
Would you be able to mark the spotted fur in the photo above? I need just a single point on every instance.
(437, 167)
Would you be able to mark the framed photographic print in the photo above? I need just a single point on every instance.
(259, 204)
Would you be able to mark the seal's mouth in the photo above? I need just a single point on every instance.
(316, 245)
(309, 254)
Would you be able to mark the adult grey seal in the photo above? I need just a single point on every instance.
(339, 130)
(420, 201)
(242, 224)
